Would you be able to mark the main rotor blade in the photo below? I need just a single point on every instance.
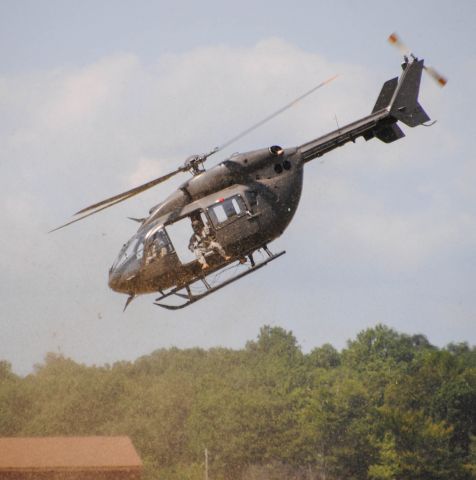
(88, 214)
(270, 117)
(109, 202)
(121, 197)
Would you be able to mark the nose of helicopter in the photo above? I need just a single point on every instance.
(124, 278)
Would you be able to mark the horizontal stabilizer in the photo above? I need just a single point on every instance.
(390, 133)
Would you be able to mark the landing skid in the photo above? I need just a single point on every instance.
(190, 298)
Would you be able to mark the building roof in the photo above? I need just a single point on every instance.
(68, 453)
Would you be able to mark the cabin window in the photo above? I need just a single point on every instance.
(227, 209)
(220, 213)
(236, 206)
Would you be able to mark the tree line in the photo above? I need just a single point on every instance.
(388, 406)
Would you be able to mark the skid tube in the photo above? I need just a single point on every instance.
(191, 298)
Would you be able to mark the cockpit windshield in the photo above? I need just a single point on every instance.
(155, 244)
(134, 248)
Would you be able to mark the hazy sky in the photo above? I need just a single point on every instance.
(98, 96)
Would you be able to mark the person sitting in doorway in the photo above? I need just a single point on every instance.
(202, 241)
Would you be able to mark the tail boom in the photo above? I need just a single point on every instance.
(397, 101)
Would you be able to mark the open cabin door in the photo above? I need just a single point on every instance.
(180, 233)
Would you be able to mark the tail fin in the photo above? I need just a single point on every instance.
(404, 105)
(400, 97)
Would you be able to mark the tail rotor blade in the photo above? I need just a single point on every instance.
(396, 41)
(440, 79)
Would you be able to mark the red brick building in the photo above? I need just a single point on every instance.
(69, 458)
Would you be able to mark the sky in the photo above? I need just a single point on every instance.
(99, 96)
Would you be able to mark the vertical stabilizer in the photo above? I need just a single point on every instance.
(404, 105)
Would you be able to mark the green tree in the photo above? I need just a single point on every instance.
(325, 356)
(336, 426)
(415, 447)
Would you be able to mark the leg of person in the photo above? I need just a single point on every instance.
(214, 245)
(200, 254)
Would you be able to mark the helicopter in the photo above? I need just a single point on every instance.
(236, 208)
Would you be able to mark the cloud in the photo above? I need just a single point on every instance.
(390, 226)
(82, 95)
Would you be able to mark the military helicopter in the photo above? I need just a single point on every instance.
(239, 206)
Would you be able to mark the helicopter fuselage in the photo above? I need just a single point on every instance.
(247, 201)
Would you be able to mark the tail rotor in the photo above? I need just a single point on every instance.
(397, 42)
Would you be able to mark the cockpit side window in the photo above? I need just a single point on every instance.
(158, 245)
(227, 209)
